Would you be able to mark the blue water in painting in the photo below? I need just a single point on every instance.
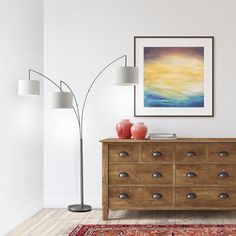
(154, 100)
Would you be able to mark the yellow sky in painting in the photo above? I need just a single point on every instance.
(174, 75)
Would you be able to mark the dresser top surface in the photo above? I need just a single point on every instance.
(179, 140)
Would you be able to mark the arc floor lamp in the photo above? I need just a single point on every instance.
(126, 75)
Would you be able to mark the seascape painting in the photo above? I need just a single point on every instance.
(174, 77)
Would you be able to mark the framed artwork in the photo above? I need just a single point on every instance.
(175, 76)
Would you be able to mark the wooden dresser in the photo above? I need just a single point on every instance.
(183, 174)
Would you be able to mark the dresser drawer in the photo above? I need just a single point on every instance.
(221, 174)
(222, 152)
(157, 153)
(203, 174)
(188, 174)
(123, 152)
(122, 174)
(145, 198)
(155, 174)
(212, 197)
(190, 152)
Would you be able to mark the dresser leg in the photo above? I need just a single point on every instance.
(105, 214)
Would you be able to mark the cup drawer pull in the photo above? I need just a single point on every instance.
(123, 175)
(223, 154)
(156, 196)
(191, 196)
(123, 154)
(157, 175)
(191, 175)
(223, 195)
(123, 196)
(156, 154)
(223, 174)
(191, 154)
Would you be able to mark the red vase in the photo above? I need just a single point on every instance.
(139, 131)
(123, 129)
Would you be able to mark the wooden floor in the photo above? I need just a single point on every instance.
(58, 222)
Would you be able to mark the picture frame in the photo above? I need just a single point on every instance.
(176, 76)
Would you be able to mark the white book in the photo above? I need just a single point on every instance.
(162, 135)
(162, 138)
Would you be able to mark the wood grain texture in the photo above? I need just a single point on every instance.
(206, 197)
(141, 198)
(198, 150)
(215, 150)
(147, 172)
(105, 197)
(140, 174)
(130, 149)
(199, 170)
(116, 171)
(166, 152)
(207, 174)
(180, 140)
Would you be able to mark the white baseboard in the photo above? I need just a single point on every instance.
(63, 200)
(24, 213)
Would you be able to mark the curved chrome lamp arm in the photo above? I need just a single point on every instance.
(36, 72)
(60, 87)
(76, 103)
(77, 113)
(91, 85)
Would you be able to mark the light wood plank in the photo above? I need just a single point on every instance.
(68, 223)
(165, 217)
(33, 220)
(116, 216)
(33, 223)
(130, 217)
(185, 217)
(52, 223)
(147, 216)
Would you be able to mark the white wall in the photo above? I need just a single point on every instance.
(21, 118)
(82, 36)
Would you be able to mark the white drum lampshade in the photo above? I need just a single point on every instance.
(28, 88)
(127, 75)
(60, 100)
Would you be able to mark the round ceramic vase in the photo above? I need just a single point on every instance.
(139, 130)
(123, 129)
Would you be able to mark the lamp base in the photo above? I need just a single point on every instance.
(79, 208)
